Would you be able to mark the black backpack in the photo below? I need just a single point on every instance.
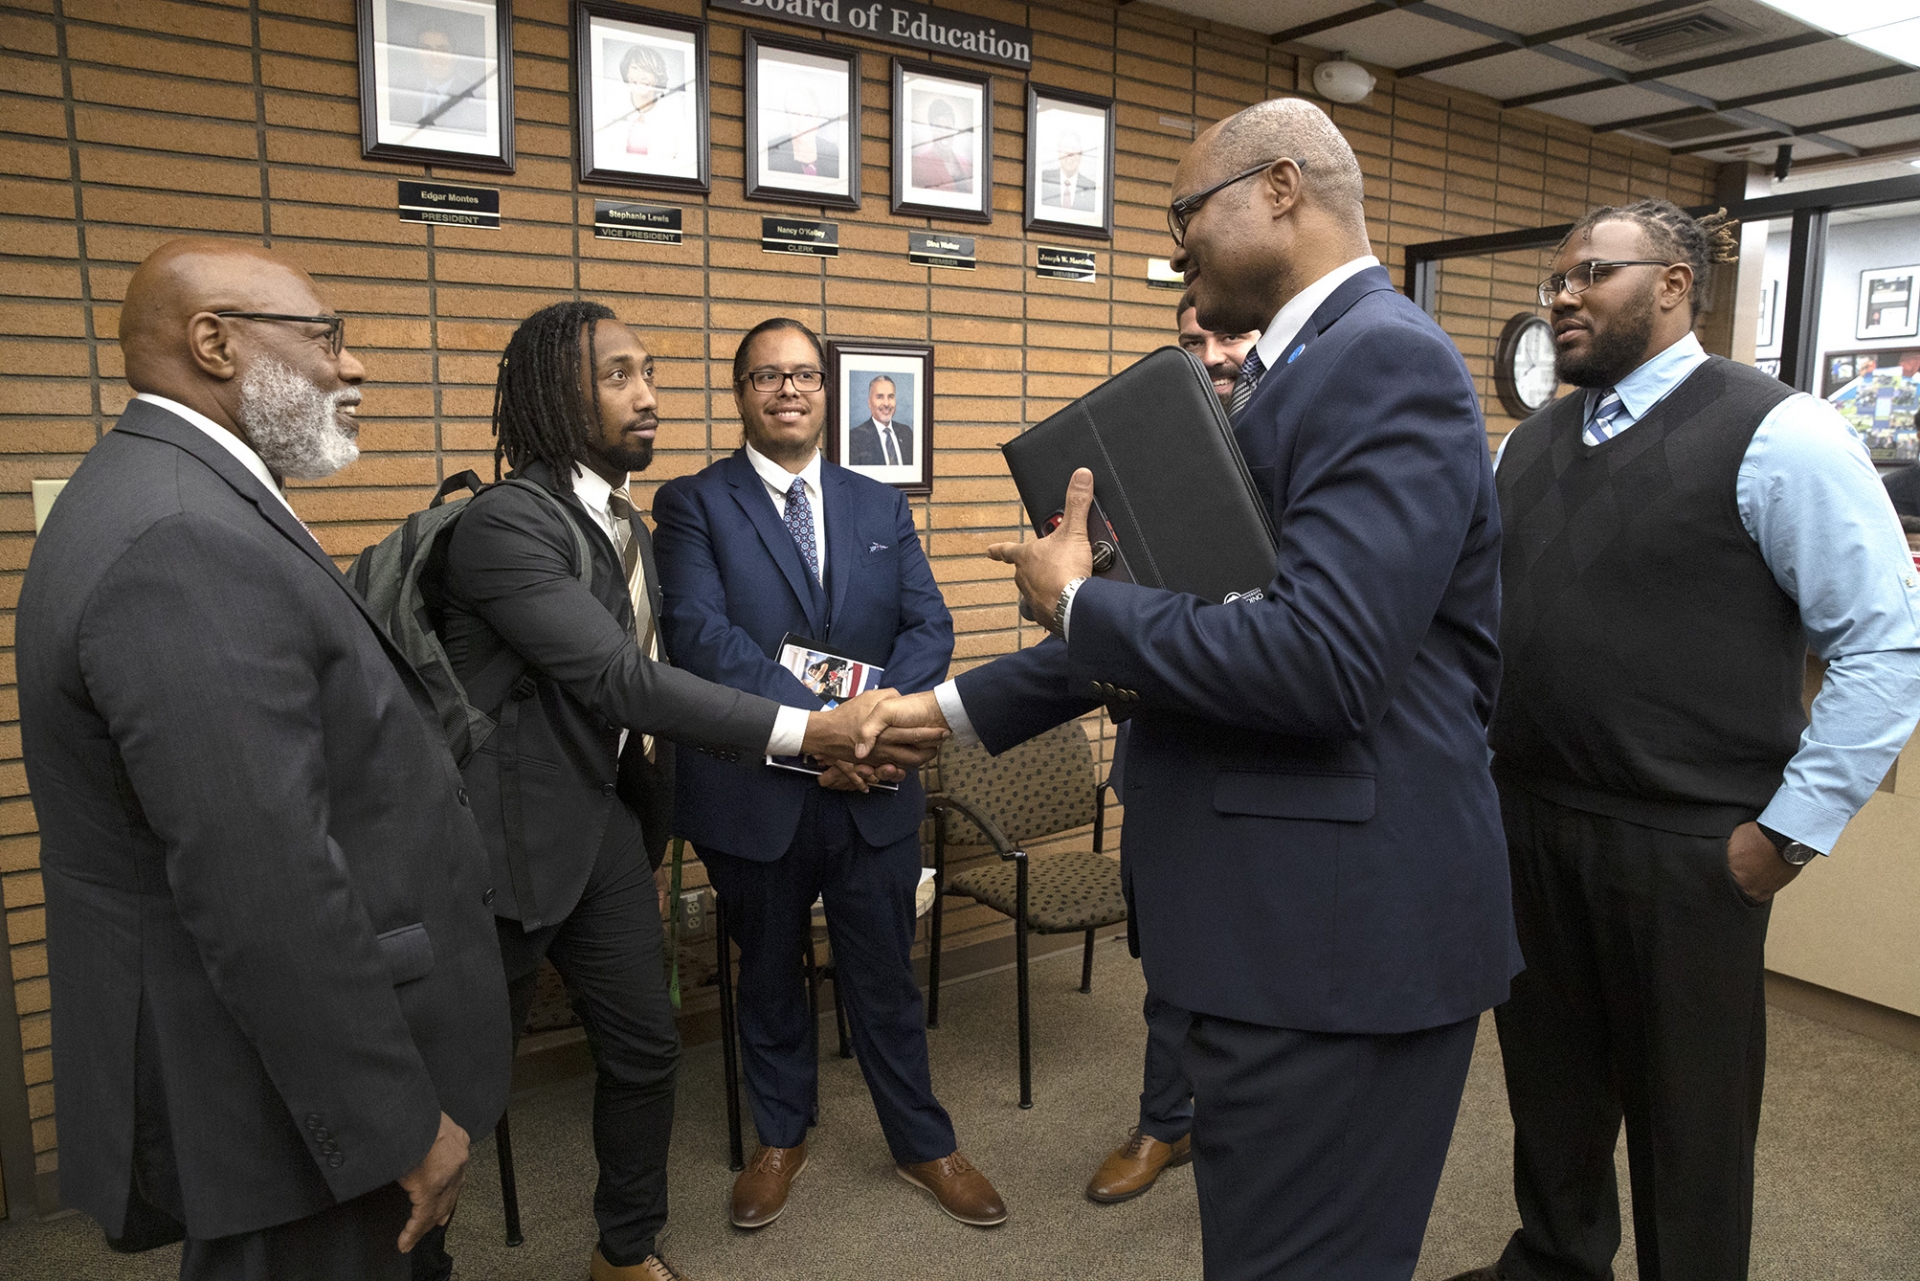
(396, 577)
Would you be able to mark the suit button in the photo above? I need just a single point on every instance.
(486, 900)
(322, 1133)
(463, 796)
(313, 1120)
(329, 1148)
(606, 789)
(336, 1161)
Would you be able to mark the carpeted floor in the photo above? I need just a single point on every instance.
(1838, 1194)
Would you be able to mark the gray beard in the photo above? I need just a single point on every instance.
(293, 425)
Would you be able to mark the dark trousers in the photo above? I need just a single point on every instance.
(869, 896)
(1166, 1096)
(610, 952)
(1643, 999)
(1317, 1155)
(353, 1241)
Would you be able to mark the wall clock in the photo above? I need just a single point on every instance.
(1523, 371)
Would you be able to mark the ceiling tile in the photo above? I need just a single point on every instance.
(1510, 75)
(1396, 39)
(1780, 70)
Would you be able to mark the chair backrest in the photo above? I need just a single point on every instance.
(1043, 786)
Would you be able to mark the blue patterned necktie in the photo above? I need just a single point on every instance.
(1243, 385)
(800, 525)
(1605, 415)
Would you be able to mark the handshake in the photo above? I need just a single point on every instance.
(875, 737)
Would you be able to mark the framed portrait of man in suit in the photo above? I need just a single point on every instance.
(880, 410)
(436, 82)
(1069, 162)
(942, 142)
(803, 122)
(640, 97)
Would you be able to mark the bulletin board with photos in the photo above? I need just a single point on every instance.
(1877, 393)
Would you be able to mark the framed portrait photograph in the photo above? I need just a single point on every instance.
(1069, 162)
(880, 410)
(1888, 307)
(942, 142)
(803, 122)
(436, 82)
(640, 81)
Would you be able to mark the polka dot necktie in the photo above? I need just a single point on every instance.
(1243, 385)
(800, 525)
(1605, 424)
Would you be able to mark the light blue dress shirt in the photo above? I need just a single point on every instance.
(1812, 502)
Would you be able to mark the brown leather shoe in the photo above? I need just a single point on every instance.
(651, 1268)
(961, 1190)
(760, 1191)
(1131, 1168)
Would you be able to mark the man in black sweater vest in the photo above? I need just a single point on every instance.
(1678, 533)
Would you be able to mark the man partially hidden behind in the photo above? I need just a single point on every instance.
(277, 1001)
(1312, 851)
(770, 541)
(1160, 1141)
(573, 791)
(881, 440)
(1679, 533)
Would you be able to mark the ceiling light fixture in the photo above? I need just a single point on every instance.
(1343, 81)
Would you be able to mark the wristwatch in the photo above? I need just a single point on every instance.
(1060, 605)
(1789, 849)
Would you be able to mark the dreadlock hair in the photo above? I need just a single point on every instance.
(768, 326)
(1674, 234)
(540, 412)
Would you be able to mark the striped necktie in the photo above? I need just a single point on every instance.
(620, 507)
(1601, 427)
(1243, 385)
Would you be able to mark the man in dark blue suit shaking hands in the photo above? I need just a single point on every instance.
(1313, 847)
(772, 541)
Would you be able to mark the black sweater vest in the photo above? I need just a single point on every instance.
(1652, 668)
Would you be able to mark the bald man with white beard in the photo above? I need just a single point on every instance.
(277, 996)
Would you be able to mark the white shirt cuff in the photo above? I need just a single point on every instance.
(789, 732)
(1065, 609)
(947, 694)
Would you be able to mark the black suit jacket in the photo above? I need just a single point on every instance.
(272, 963)
(865, 450)
(550, 781)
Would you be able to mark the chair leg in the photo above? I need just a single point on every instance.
(839, 1014)
(729, 1049)
(509, 1188)
(1086, 965)
(1020, 965)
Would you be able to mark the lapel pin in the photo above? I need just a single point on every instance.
(1295, 353)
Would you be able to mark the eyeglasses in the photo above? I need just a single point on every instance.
(804, 380)
(336, 325)
(1581, 277)
(1181, 211)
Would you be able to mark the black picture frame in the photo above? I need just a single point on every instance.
(913, 159)
(464, 119)
(853, 365)
(671, 38)
(1051, 215)
(772, 181)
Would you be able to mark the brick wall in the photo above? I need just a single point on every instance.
(122, 124)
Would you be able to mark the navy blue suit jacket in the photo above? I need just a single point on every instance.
(733, 585)
(1312, 839)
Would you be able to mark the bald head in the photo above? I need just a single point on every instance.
(279, 384)
(1293, 127)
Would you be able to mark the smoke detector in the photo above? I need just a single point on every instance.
(1343, 81)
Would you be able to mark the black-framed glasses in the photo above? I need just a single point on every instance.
(336, 325)
(1181, 211)
(804, 380)
(1579, 278)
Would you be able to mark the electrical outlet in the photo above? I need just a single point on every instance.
(693, 913)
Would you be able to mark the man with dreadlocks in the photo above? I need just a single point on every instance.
(1679, 531)
(572, 792)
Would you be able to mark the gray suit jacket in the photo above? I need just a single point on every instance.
(272, 962)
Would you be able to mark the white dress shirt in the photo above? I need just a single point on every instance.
(779, 480)
(1275, 345)
(227, 441)
(593, 491)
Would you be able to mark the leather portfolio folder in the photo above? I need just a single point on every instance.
(1172, 500)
